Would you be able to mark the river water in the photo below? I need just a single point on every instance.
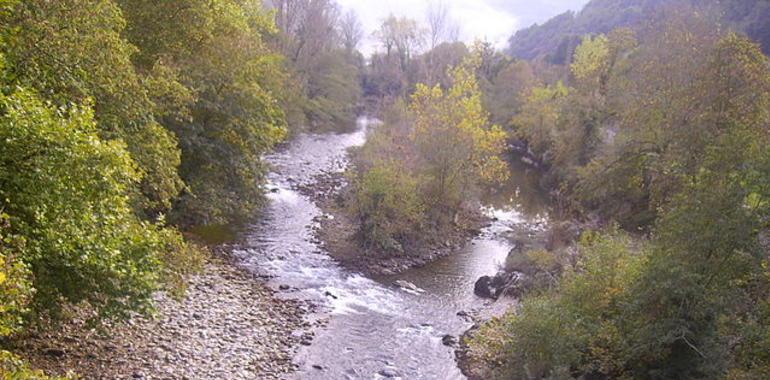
(376, 329)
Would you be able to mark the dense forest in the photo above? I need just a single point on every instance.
(125, 125)
(660, 132)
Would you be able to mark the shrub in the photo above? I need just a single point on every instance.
(576, 328)
(387, 205)
(66, 193)
(15, 288)
(13, 368)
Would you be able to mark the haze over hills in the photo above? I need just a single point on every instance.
(555, 39)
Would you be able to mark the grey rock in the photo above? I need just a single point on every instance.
(483, 287)
(388, 372)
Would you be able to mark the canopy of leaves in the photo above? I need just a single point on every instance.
(689, 142)
(65, 191)
(214, 82)
(71, 52)
(457, 146)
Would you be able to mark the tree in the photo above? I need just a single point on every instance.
(66, 193)
(388, 207)
(690, 301)
(333, 90)
(441, 29)
(229, 81)
(536, 122)
(452, 134)
(590, 62)
(575, 329)
(72, 51)
(311, 32)
(400, 36)
(716, 205)
(506, 94)
(351, 31)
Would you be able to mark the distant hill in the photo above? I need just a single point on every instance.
(555, 39)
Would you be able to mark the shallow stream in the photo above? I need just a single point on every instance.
(376, 329)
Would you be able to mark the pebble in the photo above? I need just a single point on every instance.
(228, 326)
(388, 372)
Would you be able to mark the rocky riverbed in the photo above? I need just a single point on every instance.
(286, 302)
(228, 326)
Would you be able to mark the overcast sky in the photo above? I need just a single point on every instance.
(492, 20)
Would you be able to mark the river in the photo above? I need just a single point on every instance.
(375, 329)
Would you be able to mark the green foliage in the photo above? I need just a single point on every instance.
(388, 207)
(534, 261)
(422, 167)
(575, 328)
(72, 52)
(66, 193)
(15, 288)
(198, 77)
(324, 67)
(457, 147)
(508, 90)
(689, 141)
(213, 80)
(536, 122)
(13, 368)
(333, 91)
(112, 115)
(590, 61)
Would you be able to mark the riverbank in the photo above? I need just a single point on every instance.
(534, 264)
(228, 325)
(336, 231)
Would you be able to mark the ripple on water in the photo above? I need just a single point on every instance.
(375, 329)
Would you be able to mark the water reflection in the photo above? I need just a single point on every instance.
(521, 192)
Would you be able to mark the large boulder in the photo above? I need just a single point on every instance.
(493, 286)
(483, 287)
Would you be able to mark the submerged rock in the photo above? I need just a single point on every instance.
(408, 286)
(449, 340)
(388, 372)
(330, 294)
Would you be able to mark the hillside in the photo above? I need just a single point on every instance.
(555, 39)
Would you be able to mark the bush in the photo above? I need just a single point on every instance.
(387, 205)
(180, 259)
(576, 328)
(66, 193)
(15, 294)
(533, 261)
(15, 288)
(13, 368)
